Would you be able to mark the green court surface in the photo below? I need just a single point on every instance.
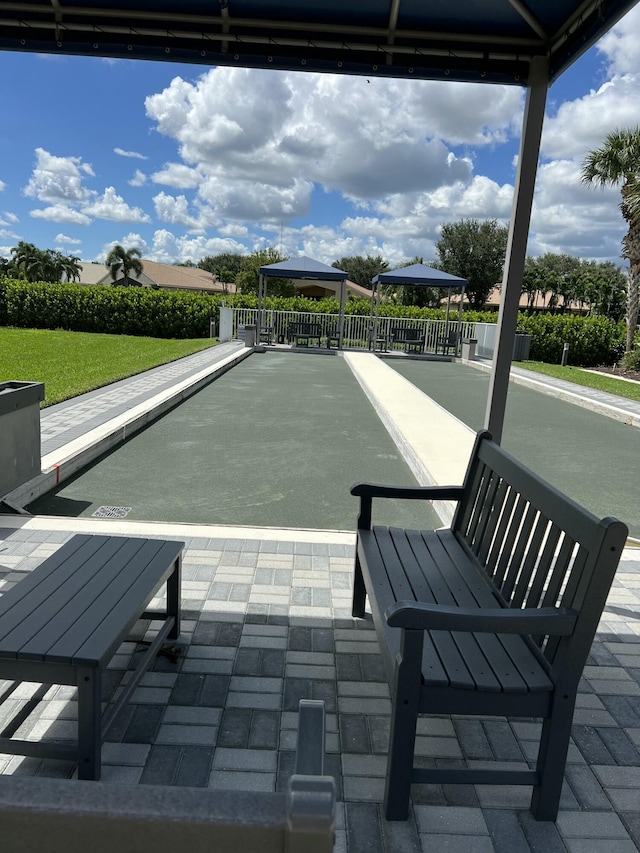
(277, 441)
(592, 458)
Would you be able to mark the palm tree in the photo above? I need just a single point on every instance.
(616, 162)
(69, 265)
(122, 261)
(28, 261)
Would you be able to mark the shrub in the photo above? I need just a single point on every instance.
(631, 360)
(592, 340)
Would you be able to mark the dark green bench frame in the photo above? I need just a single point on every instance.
(409, 338)
(492, 616)
(64, 622)
(304, 332)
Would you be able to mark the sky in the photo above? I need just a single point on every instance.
(182, 161)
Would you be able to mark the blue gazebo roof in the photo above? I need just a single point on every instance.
(304, 267)
(419, 275)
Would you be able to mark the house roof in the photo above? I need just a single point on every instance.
(493, 41)
(163, 275)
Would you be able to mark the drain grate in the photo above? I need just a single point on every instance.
(112, 512)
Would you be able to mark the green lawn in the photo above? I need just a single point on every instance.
(70, 363)
(579, 376)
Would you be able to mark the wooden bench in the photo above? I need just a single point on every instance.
(448, 342)
(68, 816)
(63, 623)
(408, 337)
(492, 616)
(304, 332)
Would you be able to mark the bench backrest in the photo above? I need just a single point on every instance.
(407, 334)
(305, 328)
(538, 547)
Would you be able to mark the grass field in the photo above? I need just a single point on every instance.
(584, 377)
(70, 363)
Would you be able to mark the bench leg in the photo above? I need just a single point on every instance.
(552, 758)
(404, 719)
(89, 722)
(359, 590)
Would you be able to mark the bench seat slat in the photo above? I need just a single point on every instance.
(499, 663)
(515, 662)
(47, 608)
(75, 608)
(509, 656)
(17, 604)
(375, 575)
(453, 661)
(118, 609)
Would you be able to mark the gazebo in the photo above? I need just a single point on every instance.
(418, 275)
(301, 268)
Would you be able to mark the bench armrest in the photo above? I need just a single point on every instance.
(555, 621)
(367, 491)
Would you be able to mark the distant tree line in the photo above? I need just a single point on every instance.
(471, 249)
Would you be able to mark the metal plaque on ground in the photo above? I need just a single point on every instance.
(111, 512)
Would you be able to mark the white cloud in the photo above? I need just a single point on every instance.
(61, 213)
(69, 241)
(167, 248)
(178, 175)
(122, 153)
(255, 143)
(9, 217)
(2, 186)
(174, 209)
(113, 207)
(580, 125)
(58, 180)
(620, 45)
(138, 180)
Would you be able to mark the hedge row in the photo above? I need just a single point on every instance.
(164, 314)
(592, 341)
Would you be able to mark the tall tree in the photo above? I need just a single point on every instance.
(121, 261)
(248, 277)
(617, 162)
(476, 251)
(226, 265)
(360, 269)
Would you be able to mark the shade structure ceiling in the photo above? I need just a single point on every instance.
(491, 41)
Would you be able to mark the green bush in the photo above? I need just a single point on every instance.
(165, 314)
(592, 340)
(631, 360)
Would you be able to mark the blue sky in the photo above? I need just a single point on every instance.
(183, 161)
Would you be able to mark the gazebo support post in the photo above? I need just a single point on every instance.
(459, 344)
(343, 299)
(517, 244)
(262, 287)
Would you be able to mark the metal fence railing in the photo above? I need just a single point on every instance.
(358, 330)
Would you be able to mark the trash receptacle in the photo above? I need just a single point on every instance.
(20, 447)
(250, 335)
(469, 348)
(521, 346)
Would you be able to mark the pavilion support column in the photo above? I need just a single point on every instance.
(343, 299)
(517, 244)
(262, 288)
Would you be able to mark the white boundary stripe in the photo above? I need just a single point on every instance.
(181, 530)
(435, 445)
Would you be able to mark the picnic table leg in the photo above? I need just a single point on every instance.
(89, 722)
(173, 598)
